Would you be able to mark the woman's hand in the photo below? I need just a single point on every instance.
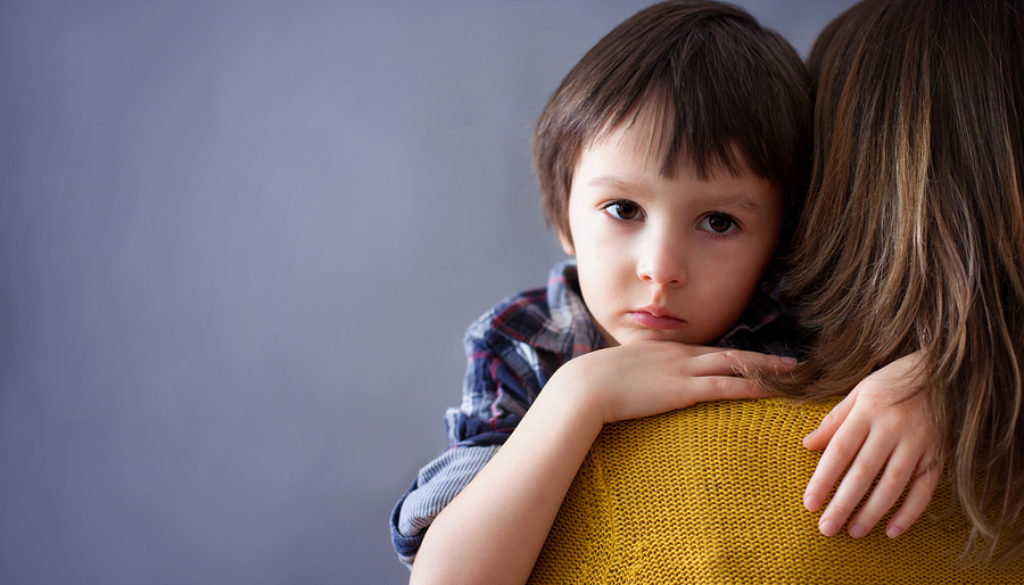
(878, 433)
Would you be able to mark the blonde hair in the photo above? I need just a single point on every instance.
(913, 233)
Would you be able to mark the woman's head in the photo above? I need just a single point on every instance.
(913, 232)
(918, 157)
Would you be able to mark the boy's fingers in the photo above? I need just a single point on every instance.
(833, 462)
(855, 484)
(733, 361)
(820, 437)
(708, 388)
(898, 472)
(917, 499)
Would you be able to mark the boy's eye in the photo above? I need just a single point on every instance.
(719, 223)
(624, 210)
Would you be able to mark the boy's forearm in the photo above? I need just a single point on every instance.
(494, 530)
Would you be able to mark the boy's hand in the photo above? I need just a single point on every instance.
(646, 378)
(873, 430)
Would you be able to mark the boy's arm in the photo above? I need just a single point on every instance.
(874, 430)
(503, 377)
(494, 529)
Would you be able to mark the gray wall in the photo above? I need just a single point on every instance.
(239, 243)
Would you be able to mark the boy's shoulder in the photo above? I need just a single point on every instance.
(551, 318)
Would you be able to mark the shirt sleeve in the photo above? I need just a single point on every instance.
(500, 385)
(435, 486)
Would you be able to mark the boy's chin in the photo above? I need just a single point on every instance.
(647, 335)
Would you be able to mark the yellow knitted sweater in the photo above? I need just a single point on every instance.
(712, 494)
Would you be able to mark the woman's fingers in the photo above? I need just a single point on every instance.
(834, 461)
(862, 472)
(917, 499)
(898, 472)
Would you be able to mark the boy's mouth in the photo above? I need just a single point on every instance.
(656, 318)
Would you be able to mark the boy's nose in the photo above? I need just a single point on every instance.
(663, 263)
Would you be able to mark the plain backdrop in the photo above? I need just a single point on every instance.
(239, 244)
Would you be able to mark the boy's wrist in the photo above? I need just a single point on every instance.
(574, 396)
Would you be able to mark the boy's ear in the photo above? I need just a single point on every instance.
(566, 241)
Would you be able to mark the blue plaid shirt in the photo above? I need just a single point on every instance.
(513, 350)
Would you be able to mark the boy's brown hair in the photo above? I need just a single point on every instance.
(714, 85)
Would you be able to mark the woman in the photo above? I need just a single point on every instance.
(917, 204)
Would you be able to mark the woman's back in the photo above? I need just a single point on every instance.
(712, 494)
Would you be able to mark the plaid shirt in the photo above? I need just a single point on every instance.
(513, 350)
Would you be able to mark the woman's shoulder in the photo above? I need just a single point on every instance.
(713, 494)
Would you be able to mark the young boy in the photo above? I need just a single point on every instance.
(670, 159)
(672, 162)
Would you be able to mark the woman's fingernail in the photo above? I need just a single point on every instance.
(828, 527)
(789, 361)
(857, 531)
(893, 531)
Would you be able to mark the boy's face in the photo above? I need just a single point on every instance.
(666, 259)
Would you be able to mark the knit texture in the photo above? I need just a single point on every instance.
(713, 494)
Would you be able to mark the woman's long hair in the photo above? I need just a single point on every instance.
(913, 232)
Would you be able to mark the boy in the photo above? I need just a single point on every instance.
(671, 161)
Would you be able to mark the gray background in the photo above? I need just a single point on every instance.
(239, 244)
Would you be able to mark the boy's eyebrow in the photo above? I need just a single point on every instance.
(611, 181)
(735, 200)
